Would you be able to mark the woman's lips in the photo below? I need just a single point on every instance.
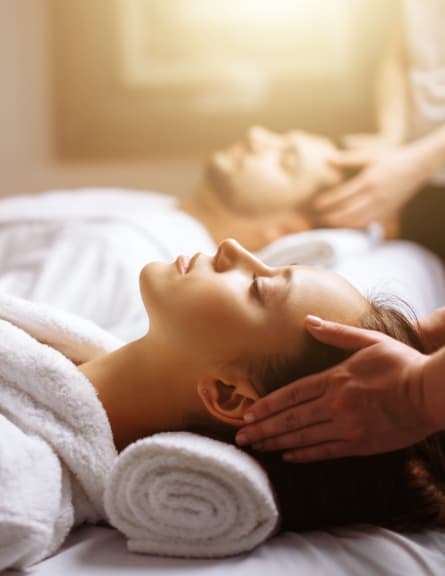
(182, 263)
(192, 261)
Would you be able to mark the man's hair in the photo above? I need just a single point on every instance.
(402, 490)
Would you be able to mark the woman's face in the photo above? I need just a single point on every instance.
(231, 305)
(268, 171)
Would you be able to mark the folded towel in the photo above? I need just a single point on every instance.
(181, 494)
(322, 247)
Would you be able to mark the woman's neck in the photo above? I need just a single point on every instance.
(143, 390)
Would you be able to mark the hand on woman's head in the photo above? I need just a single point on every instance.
(371, 402)
(432, 331)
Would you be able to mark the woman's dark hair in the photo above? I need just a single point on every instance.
(403, 490)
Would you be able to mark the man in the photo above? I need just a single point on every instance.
(258, 189)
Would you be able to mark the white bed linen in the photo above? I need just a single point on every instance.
(400, 267)
(355, 551)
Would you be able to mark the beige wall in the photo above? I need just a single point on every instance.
(27, 163)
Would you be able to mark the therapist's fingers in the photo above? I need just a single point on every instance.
(315, 385)
(311, 435)
(341, 336)
(293, 394)
(356, 212)
(336, 196)
(296, 417)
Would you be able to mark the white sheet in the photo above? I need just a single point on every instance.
(111, 300)
(356, 551)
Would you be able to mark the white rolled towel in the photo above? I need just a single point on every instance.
(182, 494)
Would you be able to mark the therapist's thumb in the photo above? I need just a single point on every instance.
(341, 335)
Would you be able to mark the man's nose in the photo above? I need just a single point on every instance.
(258, 139)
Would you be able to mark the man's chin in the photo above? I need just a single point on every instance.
(218, 182)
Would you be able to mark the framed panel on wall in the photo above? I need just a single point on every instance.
(138, 78)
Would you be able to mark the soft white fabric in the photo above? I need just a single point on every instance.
(425, 42)
(57, 453)
(182, 494)
(352, 551)
(56, 445)
(321, 247)
(82, 250)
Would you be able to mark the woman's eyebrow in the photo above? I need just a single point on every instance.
(288, 276)
(281, 292)
(284, 290)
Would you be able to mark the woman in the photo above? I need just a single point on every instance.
(213, 320)
(224, 330)
(227, 329)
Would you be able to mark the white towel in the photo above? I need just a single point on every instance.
(181, 494)
(56, 445)
(322, 247)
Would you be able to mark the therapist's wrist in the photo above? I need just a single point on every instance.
(433, 389)
(429, 154)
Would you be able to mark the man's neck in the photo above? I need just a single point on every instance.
(143, 391)
(253, 231)
(206, 207)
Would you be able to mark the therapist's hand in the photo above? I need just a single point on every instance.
(432, 331)
(372, 402)
(387, 178)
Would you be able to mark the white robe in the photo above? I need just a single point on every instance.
(56, 444)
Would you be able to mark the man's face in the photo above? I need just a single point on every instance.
(269, 171)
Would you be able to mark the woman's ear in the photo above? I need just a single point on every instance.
(227, 400)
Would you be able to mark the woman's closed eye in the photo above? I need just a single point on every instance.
(255, 288)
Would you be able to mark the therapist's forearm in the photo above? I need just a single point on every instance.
(434, 388)
(391, 93)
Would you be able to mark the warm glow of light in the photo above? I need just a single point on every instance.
(180, 38)
(247, 12)
(164, 76)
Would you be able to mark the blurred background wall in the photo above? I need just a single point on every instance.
(136, 93)
(28, 158)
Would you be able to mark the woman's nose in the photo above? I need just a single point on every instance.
(231, 255)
